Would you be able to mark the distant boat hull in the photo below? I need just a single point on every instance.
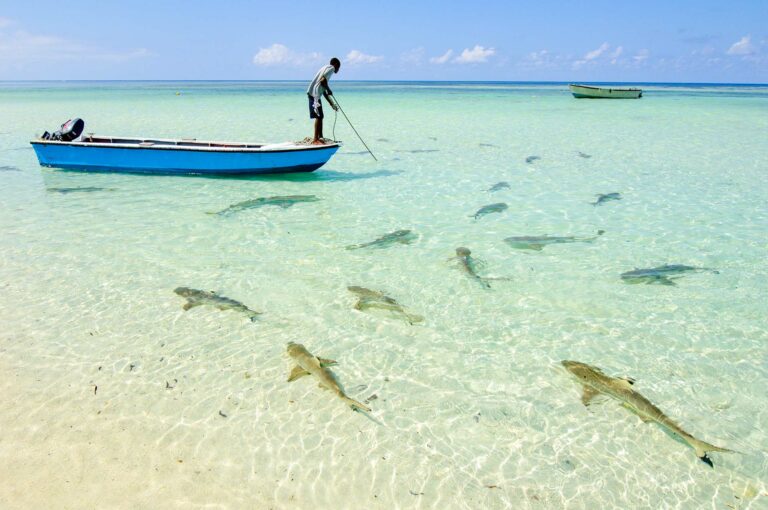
(156, 156)
(588, 92)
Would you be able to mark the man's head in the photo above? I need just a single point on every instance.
(336, 63)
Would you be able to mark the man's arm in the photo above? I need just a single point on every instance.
(328, 93)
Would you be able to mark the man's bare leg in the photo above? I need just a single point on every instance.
(318, 132)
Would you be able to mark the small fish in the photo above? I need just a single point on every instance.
(490, 208)
(7, 168)
(374, 299)
(662, 275)
(603, 198)
(531, 159)
(308, 364)
(499, 186)
(382, 140)
(585, 156)
(283, 202)
(487, 145)
(595, 383)
(387, 240)
(469, 264)
(196, 297)
(420, 151)
(84, 189)
(538, 243)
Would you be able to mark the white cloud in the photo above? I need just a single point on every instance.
(442, 59)
(24, 46)
(742, 47)
(475, 55)
(592, 55)
(616, 54)
(413, 56)
(642, 56)
(358, 57)
(280, 55)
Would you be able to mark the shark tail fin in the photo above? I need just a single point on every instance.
(701, 452)
(354, 404)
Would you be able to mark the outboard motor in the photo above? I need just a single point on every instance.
(70, 130)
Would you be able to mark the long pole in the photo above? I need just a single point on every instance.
(353, 128)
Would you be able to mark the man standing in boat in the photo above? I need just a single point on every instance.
(317, 89)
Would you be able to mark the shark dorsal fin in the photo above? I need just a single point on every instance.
(324, 362)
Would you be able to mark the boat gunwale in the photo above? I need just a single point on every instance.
(199, 145)
(571, 85)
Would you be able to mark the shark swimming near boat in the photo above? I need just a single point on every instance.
(283, 202)
(498, 186)
(82, 189)
(368, 299)
(8, 168)
(531, 159)
(537, 243)
(662, 275)
(387, 240)
(308, 364)
(607, 197)
(197, 297)
(490, 208)
(595, 382)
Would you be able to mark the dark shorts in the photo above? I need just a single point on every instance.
(312, 113)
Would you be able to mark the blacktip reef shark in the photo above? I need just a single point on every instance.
(662, 275)
(607, 197)
(595, 383)
(531, 159)
(538, 243)
(470, 265)
(283, 202)
(308, 364)
(490, 208)
(396, 237)
(374, 299)
(82, 189)
(498, 186)
(197, 297)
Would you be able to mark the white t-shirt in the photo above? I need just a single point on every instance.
(316, 89)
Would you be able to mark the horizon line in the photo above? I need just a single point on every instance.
(556, 82)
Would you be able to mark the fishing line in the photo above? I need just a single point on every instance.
(353, 128)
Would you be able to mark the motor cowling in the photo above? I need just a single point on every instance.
(70, 130)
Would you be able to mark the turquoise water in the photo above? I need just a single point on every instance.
(112, 396)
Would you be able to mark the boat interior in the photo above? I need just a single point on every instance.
(184, 142)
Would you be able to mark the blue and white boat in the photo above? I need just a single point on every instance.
(184, 156)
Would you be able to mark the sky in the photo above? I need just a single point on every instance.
(709, 41)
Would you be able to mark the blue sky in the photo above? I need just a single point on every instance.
(672, 41)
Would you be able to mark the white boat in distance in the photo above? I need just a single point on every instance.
(589, 92)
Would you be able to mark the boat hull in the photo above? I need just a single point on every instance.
(588, 92)
(158, 159)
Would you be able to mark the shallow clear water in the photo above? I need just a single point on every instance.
(112, 396)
